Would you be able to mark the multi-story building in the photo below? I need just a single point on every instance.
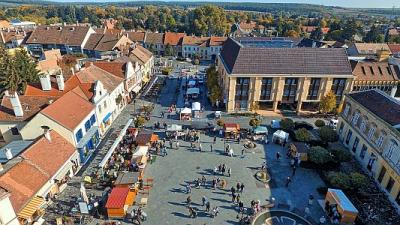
(281, 78)
(106, 46)
(206, 48)
(155, 43)
(369, 126)
(175, 41)
(366, 49)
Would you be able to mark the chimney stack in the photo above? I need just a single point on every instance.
(60, 82)
(128, 69)
(46, 132)
(45, 82)
(15, 103)
(9, 154)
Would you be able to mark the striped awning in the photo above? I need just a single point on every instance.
(30, 209)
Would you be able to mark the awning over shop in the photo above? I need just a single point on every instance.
(107, 117)
(29, 210)
(192, 91)
(89, 134)
(116, 143)
(186, 111)
(141, 150)
(137, 89)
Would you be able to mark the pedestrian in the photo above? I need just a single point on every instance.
(241, 188)
(243, 152)
(232, 190)
(203, 200)
(208, 206)
(237, 198)
(293, 171)
(211, 148)
(215, 140)
(200, 147)
(288, 180)
(177, 145)
(241, 206)
(215, 211)
(214, 184)
(233, 197)
(170, 144)
(223, 169)
(190, 211)
(188, 200)
(215, 170)
(310, 199)
(188, 189)
(278, 155)
(220, 168)
(229, 172)
(237, 186)
(231, 152)
(203, 180)
(194, 213)
(165, 151)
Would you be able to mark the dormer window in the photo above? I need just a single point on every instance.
(372, 70)
(380, 70)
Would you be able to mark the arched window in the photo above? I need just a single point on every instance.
(380, 138)
(363, 124)
(355, 118)
(393, 146)
(372, 131)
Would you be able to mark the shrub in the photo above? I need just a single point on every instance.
(166, 70)
(327, 134)
(139, 122)
(196, 62)
(339, 180)
(319, 155)
(303, 124)
(358, 180)
(341, 155)
(319, 123)
(302, 135)
(287, 124)
(220, 122)
(254, 122)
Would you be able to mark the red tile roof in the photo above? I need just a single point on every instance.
(217, 41)
(69, 110)
(93, 73)
(394, 48)
(50, 156)
(36, 89)
(141, 54)
(173, 38)
(117, 197)
(23, 181)
(115, 68)
(154, 38)
(136, 36)
(64, 35)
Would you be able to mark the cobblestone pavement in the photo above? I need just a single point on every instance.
(183, 165)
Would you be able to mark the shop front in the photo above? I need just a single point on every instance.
(107, 121)
(87, 145)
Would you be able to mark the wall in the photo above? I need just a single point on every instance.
(7, 214)
(5, 129)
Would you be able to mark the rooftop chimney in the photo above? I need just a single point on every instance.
(9, 154)
(45, 82)
(128, 69)
(46, 132)
(15, 103)
(60, 82)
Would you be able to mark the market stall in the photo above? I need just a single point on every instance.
(231, 130)
(193, 93)
(146, 138)
(260, 130)
(174, 129)
(127, 179)
(275, 124)
(299, 150)
(191, 83)
(196, 109)
(280, 137)
(339, 207)
(140, 158)
(186, 114)
(118, 202)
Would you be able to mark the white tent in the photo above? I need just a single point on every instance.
(186, 111)
(191, 83)
(141, 150)
(280, 136)
(192, 91)
(186, 114)
(174, 127)
(196, 106)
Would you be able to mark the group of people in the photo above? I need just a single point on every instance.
(193, 211)
(221, 169)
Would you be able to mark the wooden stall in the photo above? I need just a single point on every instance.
(146, 138)
(127, 179)
(117, 203)
(231, 130)
(336, 198)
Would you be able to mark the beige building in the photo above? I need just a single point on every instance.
(369, 126)
(281, 78)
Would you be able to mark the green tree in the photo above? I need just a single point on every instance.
(140, 121)
(169, 51)
(374, 36)
(327, 134)
(327, 103)
(358, 180)
(319, 155)
(341, 155)
(339, 180)
(254, 122)
(287, 124)
(319, 123)
(302, 135)
(317, 34)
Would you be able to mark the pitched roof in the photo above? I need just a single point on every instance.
(136, 36)
(116, 68)
(92, 73)
(9, 36)
(4, 24)
(217, 41)
(248, 26)
(30, 106)
(255, 60)
(370, 48)
(173, 38)
(394, 48)
(65, 35)
(193, 40)
(53, 54)
(141, 54)
(35, 89)
(42, 153)
(117, 197)
(69, 110)
(380, 104)
(23, 181)
(154, 38)
(373, 71)
(103, 42)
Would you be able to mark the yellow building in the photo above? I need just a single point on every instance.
(369, 126)
(274, 78)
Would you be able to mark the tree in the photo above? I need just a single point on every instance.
(196, 61)
(254, 122)
(319, 155)
(327, 103)
(292, 33)
(169, 51)
(166, 70)
(287, 124)
(302, 135)
(374, 35)
(327, 134)
(319, 123)
(140, 121)
(341, 155)
(339, 180)
(317, 34)
(323, 23)
(358, 180)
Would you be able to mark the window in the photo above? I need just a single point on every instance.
(390, 184)
(355, 144)
(371, 161)
(349, 134)
(363, 70)
(79, 135)
(363, 151)
(341, 128)
(92, 120)
(14, 131)
(371, 132)
(266, 87)
(355, 118)
(381, 174)
(363, 125)
(290, 89)
(379, 141)
(389, 150)
(389, 71)
(380, 70)
(372, 70)
(314, 89)
(87, 125)
(105, 104)
(338, 86)
(242, 88)
(99, 108)
(346, 110)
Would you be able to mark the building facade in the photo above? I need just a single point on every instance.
(369, 126)
(281, 78)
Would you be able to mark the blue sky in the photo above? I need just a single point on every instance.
(343, 3)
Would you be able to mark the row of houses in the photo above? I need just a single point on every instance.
(53, 128)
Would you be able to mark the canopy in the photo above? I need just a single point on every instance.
(280, 134)
(196, 106)
(174, 127)
(30, 209)
(186, 111)
(141, 150)
(276, 124)
(342, 200)
(191, 91)
(260, 130)
(116, 200)
(116, 143)
(127, 178)
(191, 83)
(231, 127)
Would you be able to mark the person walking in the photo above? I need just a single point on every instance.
(288, 180)
(232, 190)
(214, 184)
(215, 170)
(208, 206)
(170, 144)
(241, 188)
(203, 200)
(242, 152)
(203, 181)
(223, 169)
(233, 197)
(200, 147)
(293, 171)
(177, 145)
(215, 140)
(229, 172)
(237, 186)
(278, 155)
(211, 148)
(237, 198)
(188, 189)
(188, 200)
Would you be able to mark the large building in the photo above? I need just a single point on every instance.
(369, 126)
(281, 78)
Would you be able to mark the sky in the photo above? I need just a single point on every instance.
(342, 3)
